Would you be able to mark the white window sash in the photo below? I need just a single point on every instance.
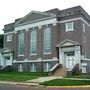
(67, 29)
(9, 37)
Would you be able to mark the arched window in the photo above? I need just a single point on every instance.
(47, 40)
(21, 44)
(33, 46)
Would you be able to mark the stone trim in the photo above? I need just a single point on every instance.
(38, 60)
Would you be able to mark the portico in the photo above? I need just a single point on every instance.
(69, 54)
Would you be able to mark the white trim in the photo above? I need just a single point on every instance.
(27, 29)
(86, 59)
(85, 21)
(55, 58)
(47, 53)
(69, 20)
(74, 19)
(53, 68)
(36, 24)
(21, 55)
(84, 28)
(38, 60)
(39, 27)
(84, 64)
(46, 22)
(9, 37)
(66, 24)
(42, 13)
(33, 54)
(54, 24)
(8, 33)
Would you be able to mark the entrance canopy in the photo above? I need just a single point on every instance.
(66, 43)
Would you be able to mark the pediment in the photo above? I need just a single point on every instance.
(6, 50)
(33, 16)
(67, 43)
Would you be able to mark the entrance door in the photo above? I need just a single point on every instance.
(70, 59)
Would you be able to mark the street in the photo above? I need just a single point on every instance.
(18, 87)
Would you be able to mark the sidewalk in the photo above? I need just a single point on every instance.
(36, 82)
(19, 83)
(43, 79)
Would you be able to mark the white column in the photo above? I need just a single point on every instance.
(61, 56)
(77, 55)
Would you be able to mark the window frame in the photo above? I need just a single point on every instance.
(66, 25)
(20, 67)
(47, 66)
(33, 67)
(45, 40)
(84, 28)
(33, 42)
(19, 44)
(9, 37)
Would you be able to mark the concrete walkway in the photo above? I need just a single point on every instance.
(19, 83)
(43, 79)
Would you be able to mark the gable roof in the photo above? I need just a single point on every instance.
(67, 42)
(34, 16)
(5, 50)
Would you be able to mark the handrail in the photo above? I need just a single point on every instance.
(72, 67)
(53, 68)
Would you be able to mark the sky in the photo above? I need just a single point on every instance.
(13, 9)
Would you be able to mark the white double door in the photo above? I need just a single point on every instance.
(70, 59)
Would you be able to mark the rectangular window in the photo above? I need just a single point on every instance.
(47, 40)
(33, 67)
(9, 38)
(83, 27)
(84, 38)
(20, 68)
(21, 44)
(69, 26)
(33, 48)
(47, 67)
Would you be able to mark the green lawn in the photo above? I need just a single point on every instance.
(80, 76)
(20, 76)
(66, 82)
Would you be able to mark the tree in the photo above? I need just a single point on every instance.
(1, 41)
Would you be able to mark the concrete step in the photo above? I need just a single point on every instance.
(61, 72)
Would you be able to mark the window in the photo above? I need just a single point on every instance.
(83, 27)
(69, 26)
(9, 38)
(71, 53)
(21, 44)
(20, 68)
(84, 38)
(33, 47)
(47, 40)
(47, 66)
(33, 67)
(7, 58)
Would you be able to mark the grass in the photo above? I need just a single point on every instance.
(66, 82)
(83, 76)
(20, 76)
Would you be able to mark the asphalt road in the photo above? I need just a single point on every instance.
(68, 89)
(17, 87)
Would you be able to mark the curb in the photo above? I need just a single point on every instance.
(84, 86)
(20, 83)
